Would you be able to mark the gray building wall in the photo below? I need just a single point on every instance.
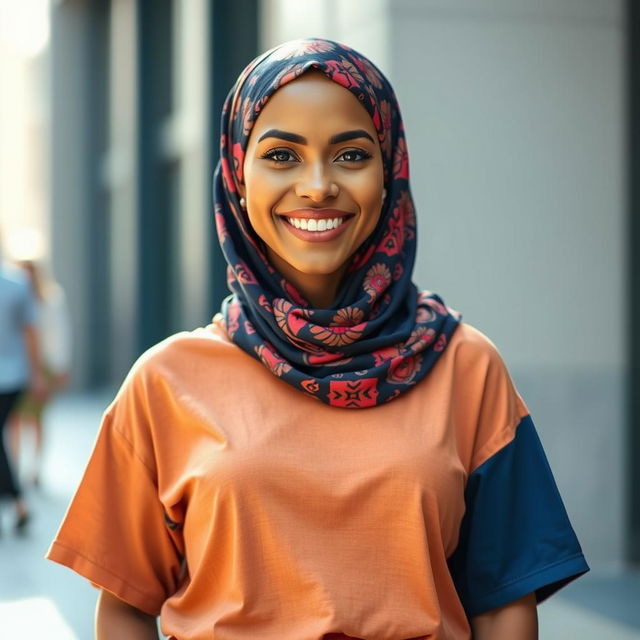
(514, 116)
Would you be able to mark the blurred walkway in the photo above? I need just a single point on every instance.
(39, 599)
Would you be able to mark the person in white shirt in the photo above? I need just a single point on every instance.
(55, 340)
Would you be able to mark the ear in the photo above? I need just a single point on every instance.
(242, 192)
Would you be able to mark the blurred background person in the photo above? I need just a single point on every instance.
(54, 336)
(20, 368)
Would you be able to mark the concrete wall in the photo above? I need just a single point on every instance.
(515, 125)
(514, 117)
(69, 169)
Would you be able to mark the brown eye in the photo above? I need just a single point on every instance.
(353, 155)
(279, 156)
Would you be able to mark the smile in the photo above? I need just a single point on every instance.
(316, 225)
(311, 224)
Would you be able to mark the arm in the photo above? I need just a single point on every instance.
(38, 383)
(518, 619)
(117, 620)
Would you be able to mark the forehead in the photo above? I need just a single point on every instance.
(313, 101)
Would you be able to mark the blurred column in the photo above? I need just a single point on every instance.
(120, 177)
(233, 30)
(99, 339)
(184, 141)
(633, 181)
(157, 174)
(77, 216)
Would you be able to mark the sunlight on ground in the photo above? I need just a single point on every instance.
(33, 618)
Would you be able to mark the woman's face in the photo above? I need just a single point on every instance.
(313, 177)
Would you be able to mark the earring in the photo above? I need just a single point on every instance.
(384, 194)
(243, 203)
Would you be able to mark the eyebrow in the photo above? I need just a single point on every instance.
(283, 135)
(294, 137)
(350, 135)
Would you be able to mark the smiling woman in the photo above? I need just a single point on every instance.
(337, 455)
(313, 182)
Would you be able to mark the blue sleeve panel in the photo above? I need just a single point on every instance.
(515, 537)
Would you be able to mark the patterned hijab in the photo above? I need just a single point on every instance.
(382, 335)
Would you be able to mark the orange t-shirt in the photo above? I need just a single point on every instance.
(237, 507)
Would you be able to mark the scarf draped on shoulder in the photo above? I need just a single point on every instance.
(382, 335)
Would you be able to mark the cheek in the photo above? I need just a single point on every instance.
(263, 185)
(366, 189)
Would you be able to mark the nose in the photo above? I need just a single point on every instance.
(316, 184)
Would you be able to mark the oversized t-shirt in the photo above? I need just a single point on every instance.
(236, 507)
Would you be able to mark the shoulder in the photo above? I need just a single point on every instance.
(472, 338)
(14, 282)
(488, 405)
(162, 385)
(470, 348)
(176, 386)
(478, 363)
(185, 349)
(477, 367)
(201, 345)
(180, 363)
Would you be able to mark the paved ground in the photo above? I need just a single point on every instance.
(39, 599)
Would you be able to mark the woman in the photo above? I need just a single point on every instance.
(55, 340)
(20, 369)
(337, 455)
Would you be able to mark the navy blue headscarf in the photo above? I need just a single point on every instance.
(382, 335)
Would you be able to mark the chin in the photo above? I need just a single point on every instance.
(318, 270)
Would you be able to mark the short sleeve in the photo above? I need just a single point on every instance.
(28, 308)
(114, 532)
(515, 537)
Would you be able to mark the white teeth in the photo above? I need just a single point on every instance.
(312, 224)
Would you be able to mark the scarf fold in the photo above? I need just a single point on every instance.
(382, 335)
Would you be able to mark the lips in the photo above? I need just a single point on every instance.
(316, 225)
